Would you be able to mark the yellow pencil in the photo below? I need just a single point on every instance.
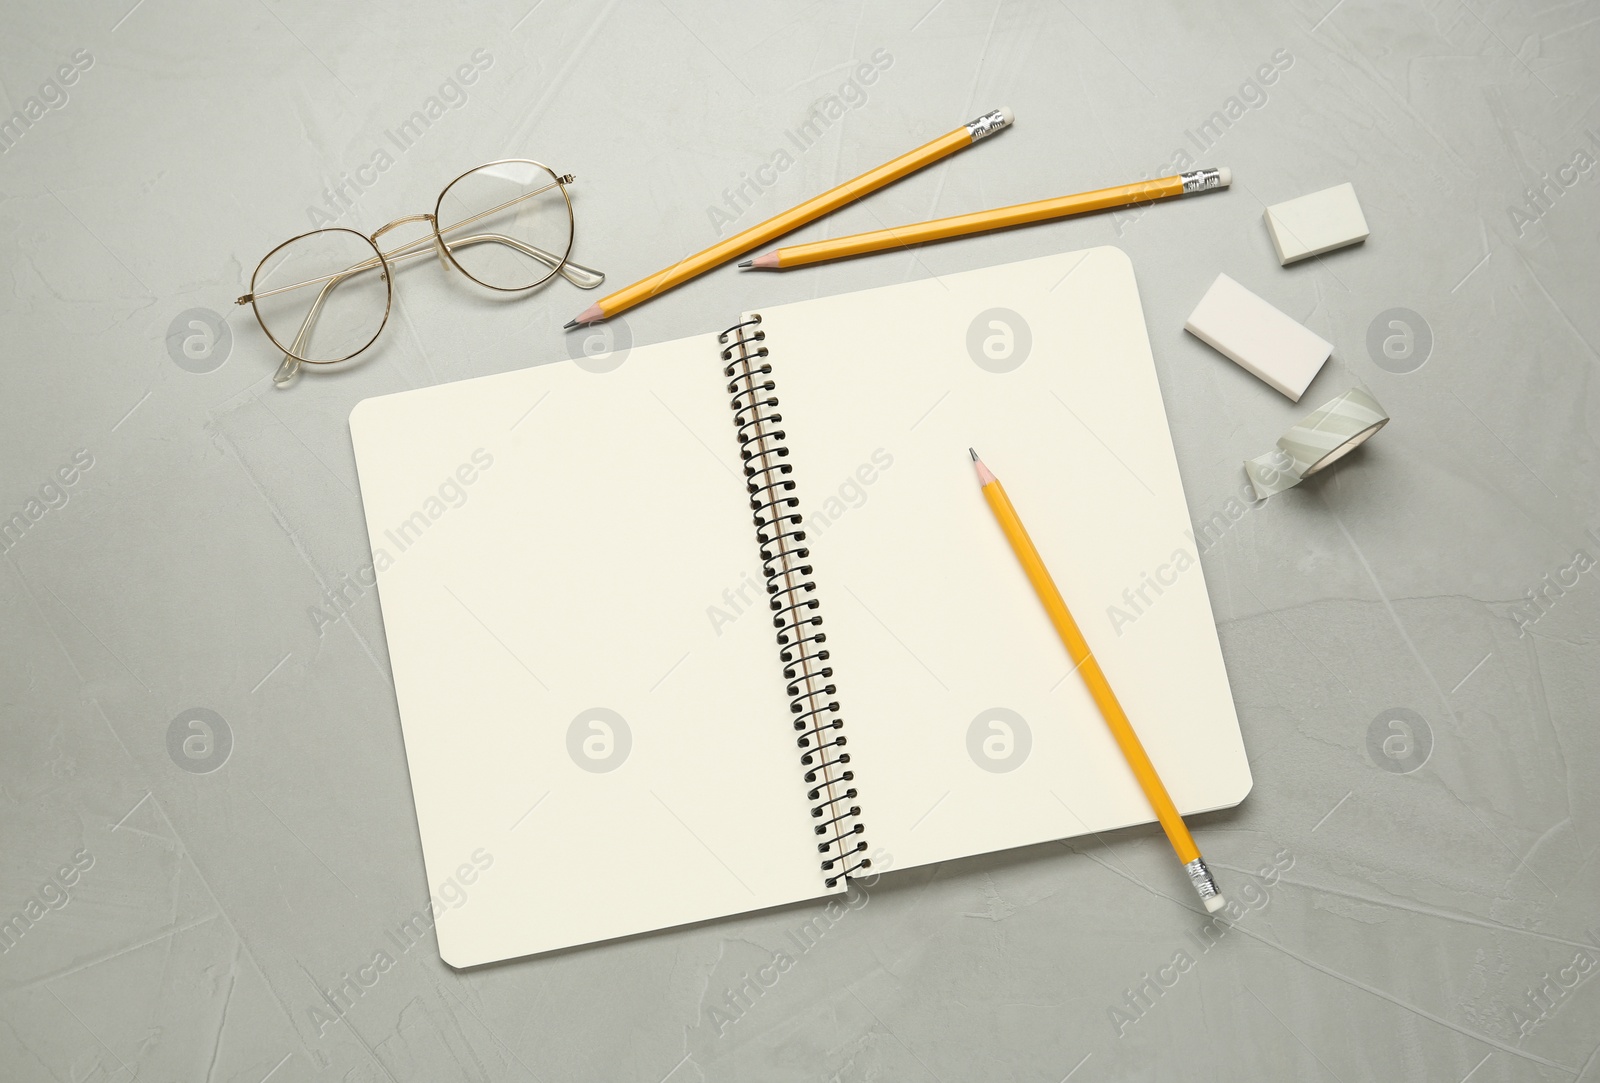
(1084, 661)
(962, 225)
(792, 219)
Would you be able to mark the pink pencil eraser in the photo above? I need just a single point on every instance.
(1257, 337)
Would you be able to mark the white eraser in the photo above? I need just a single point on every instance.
(1007, 115)
(1260, 339)
(1317, 223)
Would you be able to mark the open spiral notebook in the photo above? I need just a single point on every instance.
(729, 624)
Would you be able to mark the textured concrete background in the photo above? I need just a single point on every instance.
(1411, 639)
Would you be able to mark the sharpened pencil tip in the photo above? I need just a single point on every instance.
(747, 263)
(985, 475)
(592, 314)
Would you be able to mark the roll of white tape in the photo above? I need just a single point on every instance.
(1331, 432)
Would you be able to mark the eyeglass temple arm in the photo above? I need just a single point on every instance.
(583, 277)
(436, 237)
(586, 277)
(290, 368)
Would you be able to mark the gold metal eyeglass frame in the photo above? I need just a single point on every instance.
(583, 277)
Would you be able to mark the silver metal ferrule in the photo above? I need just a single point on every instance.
(987, 124)
(1201, 878)
(1201, 180)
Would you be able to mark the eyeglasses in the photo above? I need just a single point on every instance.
(324, 296)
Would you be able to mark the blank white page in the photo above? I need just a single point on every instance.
(605, 515)
(969, 730)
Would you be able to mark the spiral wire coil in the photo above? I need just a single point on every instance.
(792, 597)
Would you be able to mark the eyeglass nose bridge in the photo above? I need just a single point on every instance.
(438, 242)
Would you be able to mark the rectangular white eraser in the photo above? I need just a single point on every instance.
(1317, 223)
(1260, 339)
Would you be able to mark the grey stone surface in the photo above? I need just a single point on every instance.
(1403, 911)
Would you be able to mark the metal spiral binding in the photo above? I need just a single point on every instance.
(792, 597)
